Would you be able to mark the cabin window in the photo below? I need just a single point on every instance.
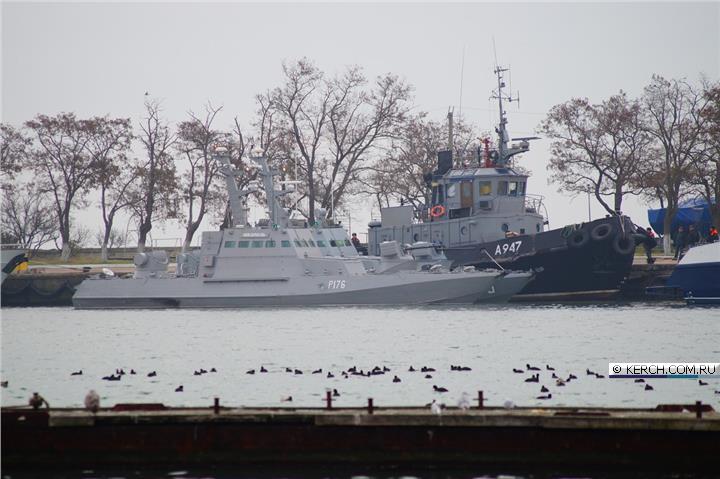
(348, 243)
(513, 188)
(285, 243)
(521, 188)
(505, 227)
(321, 244)
(333, 243)
(438, 195)
(270, 244)
(537, 227)
(485, 188)
(451, 191)
(243, 244)
(311, 243)
(258, 244)
(502, 188)
(229, 244)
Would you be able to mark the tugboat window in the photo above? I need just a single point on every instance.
(502, 188)
(243, 244)
(333, 243)
(270, 244)
(257, 244)
(521, 188)
(348, 243)
(285, 243)
(321, 244)
(416, 237)
(505, 227)
(451, 191)
(485, 188)
(537, 227)
(229, 244)
(513, 189)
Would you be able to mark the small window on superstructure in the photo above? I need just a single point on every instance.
(270, 244)
(243, 244)
(513, 188)
(285, 243)
(502, 188)
(333, 243)
(229, 244)
(521, 188)
(321, 244)
(485, 188)
(258, 244)
(348, 243)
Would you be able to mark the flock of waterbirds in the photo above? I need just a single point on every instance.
(354, 371)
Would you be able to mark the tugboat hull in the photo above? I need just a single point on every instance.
(579, 260)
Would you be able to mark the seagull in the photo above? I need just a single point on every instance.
(411, 369)
(297, 371)
(92, 401)
(554, 376)
(213, 370)
(572, 376)
(286, 399)
(559, 382)
(4, 384)
(531, 368)
(396, 379)
(386, 369)
(648, 387)
(535, 378)
(132, 371)
(464, 401)
(599, 376)
(336, 393)
(251, 371)
(179, 389)
(288, 370)
(435, 408)
(262, 369)
(317, 371)
(589, 373)
(640, 380)
(151, 374)
(439, 389)
(330, 375)
(518, 371)
(547, 366)
(549, 396)
(701, 383)
(76, 373)
(544, 389)
(427, 376)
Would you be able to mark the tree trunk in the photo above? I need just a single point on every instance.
(104, 252)
(311, 196)
(65, 255)
(667, 232)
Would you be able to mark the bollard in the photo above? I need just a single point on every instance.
(328, 399)
(481, 400)
(216, 406)
(698, 409)
(370, 406)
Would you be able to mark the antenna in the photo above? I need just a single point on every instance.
(495, 51)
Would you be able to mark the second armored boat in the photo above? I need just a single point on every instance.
(276, 264)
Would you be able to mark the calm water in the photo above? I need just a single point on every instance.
(41, 347)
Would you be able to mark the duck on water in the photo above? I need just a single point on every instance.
(281, 262)
(482, 215)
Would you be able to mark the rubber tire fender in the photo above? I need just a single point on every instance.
(578, 239)
(621, 240)
(602, 232)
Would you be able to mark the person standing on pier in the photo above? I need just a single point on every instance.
(693, 237)
(712, 235)
(649, 243)
(681, 239)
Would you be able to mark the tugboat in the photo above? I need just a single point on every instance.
(482, 215)
(280, 262)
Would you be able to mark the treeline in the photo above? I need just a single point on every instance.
(664, 145)
(342, 136)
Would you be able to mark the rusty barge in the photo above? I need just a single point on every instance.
(669, 438)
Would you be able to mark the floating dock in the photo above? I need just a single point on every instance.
(669, 438)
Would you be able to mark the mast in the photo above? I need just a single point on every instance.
(235, 196)
(505, 152)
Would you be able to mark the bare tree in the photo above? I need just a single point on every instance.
(14, 150)
(673, 118)
(706, 163)
(27, 217)
(109, 145)
(62, 166)
(597, 149)
(195, 147)
(152, 195)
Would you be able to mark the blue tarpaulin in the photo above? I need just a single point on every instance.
(691, 212)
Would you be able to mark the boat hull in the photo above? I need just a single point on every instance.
(566, 261)
(407, 288)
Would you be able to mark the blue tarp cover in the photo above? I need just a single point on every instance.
(692, 212)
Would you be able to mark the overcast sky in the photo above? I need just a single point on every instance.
(100, 58)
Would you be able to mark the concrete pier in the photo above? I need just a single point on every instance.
(682, 438)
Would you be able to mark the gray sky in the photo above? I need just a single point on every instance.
(100, 58)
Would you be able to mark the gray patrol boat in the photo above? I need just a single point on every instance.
(282, 262)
